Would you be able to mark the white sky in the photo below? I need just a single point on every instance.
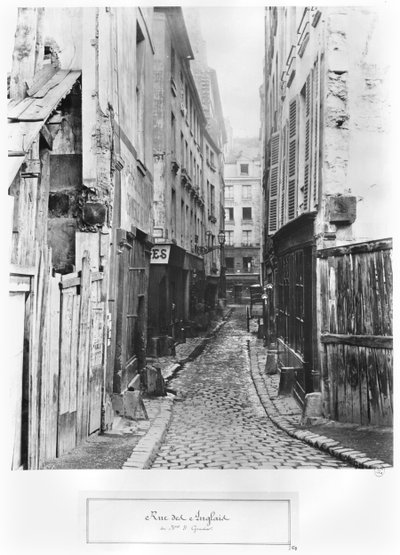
(235, 49)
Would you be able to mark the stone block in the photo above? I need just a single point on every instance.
(163, 347)
(154, 382)
(312, 408)
(271, 364)
(341, 209)
(133, 405)
(117, 402)
(152, 347)
(287, 380)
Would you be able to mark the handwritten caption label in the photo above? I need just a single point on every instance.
(185, 520)
(197, 522)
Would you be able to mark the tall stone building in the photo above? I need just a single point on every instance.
(187, 178)
(213, 152)
(242, 224)
(326, 241)
(81, 175)
(177, 271)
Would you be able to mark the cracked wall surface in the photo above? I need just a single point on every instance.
(357, 119)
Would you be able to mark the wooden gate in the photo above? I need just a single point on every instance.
(132, 309)
(62, 375)
(81, 356)
(356, 302)
(294, 309)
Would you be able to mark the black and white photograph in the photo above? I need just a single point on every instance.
(198, 223)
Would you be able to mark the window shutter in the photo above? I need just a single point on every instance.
(307, 147)
(283, 176)
(316, 125)
(292, 161)
(273, 185)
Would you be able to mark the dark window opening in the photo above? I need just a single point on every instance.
(246, 213)
(229, 262)
(244, 169)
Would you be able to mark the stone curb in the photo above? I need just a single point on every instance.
(146, 450)
(323, 443)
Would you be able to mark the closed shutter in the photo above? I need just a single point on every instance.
(292, 161)
(316, 125)
(307, 148)
(283, 176)
(273, 185)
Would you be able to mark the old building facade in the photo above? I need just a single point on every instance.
(179, 214)
(242, 225)
(82, 186)
(326, 248)
(188, 188)
(206, 81)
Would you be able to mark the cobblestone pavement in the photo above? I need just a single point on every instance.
(218, 421)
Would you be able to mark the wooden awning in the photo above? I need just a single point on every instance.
(27, 117)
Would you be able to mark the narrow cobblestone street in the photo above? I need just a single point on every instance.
(218, 421)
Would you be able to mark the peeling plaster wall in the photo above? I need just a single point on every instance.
(136, 188)
(160, 206)
(63, 29)
(96, 40)
(169, 99)
(66, 195)
(356, 119)
(369, 167)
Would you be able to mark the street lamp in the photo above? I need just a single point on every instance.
(221, 237)
(221, 241)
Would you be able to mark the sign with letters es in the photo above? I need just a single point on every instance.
(160, 254)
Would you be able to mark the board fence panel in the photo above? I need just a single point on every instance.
(356, 330)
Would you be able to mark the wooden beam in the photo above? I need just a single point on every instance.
(16, 270)
(70, 282)
(47, 136)
(97, 276)
(368, 246)
(372, 341)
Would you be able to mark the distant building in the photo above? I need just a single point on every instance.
(242, 225)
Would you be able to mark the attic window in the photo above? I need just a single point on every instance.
(244, 169)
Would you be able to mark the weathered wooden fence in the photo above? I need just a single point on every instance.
(356, 326)
(66, 339)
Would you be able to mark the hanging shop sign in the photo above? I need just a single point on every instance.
(160, 254)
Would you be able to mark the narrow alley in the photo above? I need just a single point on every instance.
(218, 420)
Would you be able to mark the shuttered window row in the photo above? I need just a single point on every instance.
(273, 184)
(284, 158)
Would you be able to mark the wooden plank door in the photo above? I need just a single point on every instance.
(15, 340)
(96, 364)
